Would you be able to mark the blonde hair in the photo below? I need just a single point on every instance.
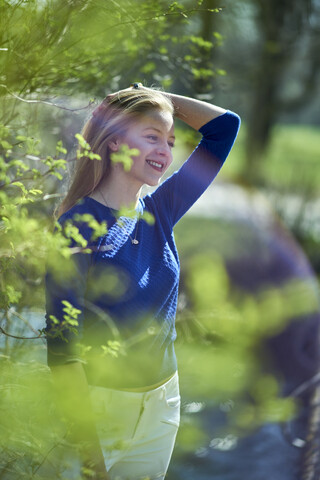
(111, 118)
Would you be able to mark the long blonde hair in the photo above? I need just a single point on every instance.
(111, 118)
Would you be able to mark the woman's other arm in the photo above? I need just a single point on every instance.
(219, 128)
(73, 400)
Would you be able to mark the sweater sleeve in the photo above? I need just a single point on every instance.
(62, 285)
(179, 192)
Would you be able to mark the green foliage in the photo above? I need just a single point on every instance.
(34, 440)
(71, 313)
(26, 230)
(92, 48)
(79, 46)
(290, 176)
(99, 229)
(223, 329)
(112, 348)
(68, 324)
(85, 149)
(148, 218)
(219, 332)
(124, 155)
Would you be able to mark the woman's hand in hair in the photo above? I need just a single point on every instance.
(193, 112)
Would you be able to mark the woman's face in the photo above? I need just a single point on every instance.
(153, 136)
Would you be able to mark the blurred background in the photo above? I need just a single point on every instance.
(248, 320)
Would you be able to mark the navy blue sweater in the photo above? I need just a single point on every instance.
(127, 294)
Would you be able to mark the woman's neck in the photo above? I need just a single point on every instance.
(116, 193)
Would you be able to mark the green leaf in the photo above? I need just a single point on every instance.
(54, 319)
(71, 231)
(19, 164)
(82, 142)
(35, 191)
(221, 72)
(12, 294)
(60, 148)
(205, 44)
(20, 185)
(112, 348)
(217, 35)
(124, 156)
(99, 229)
(93, 156)
(6, 145)
(149, 67)
(148, 217)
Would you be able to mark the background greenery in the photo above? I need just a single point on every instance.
(58, 59)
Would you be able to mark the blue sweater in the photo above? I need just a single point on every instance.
(128, 293)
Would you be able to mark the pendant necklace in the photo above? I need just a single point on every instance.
(134, 240)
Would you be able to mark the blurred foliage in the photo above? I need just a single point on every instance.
(85, 49)
(224, 327)
(290, 165)
(280, 25)
(293, 149)
(289, 177)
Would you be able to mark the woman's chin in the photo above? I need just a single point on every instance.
(153, 182)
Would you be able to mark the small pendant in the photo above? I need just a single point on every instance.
(134, 241)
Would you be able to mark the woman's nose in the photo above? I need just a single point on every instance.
(163, 149)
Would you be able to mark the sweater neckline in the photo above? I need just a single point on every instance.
(113, 211)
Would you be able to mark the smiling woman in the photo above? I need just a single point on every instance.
(153, 136)
(115, 369)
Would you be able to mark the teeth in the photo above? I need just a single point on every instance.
(155, 164)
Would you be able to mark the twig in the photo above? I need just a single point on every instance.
(13, 312)
(314, 380)
(45, 102)
(47, 455)
(19, 338)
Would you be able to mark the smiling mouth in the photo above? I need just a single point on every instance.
(156, 165)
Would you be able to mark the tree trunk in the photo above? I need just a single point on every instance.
(203, 85)
(280, 25)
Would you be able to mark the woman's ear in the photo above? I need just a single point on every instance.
(114, 144)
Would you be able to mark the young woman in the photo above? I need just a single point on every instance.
(117, 368)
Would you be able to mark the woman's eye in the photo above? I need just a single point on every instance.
(171, 144)
(154, 138)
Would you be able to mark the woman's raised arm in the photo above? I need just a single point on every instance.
(194, 113)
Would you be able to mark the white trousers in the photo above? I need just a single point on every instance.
(137, 431)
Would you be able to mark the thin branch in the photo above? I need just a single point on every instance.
(24, 320)
(24, 178)
(314, 380)
(19, 338)
(47, 454)
(47, 103)
(132, 21)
